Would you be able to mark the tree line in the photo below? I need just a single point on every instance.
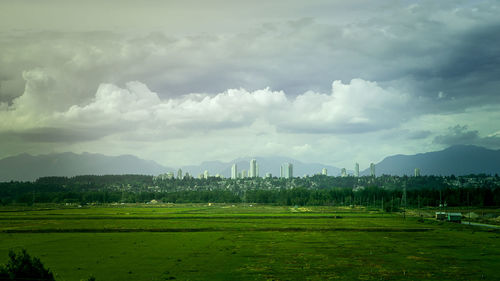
(386, 192)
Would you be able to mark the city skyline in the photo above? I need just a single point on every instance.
(286, 171)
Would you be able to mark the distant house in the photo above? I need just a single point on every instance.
(455, 217)
(441, 216)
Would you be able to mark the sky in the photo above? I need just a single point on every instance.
(181, 82)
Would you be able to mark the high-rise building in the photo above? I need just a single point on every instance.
(234, 171)
(356, 170)
(372, 169)
(187, 176)
(417, 172)
(257, 170)
(243, 174)
(179, 174)
(252, 172)
(324, 172)
(205, 174)
(343, 173)
(287, 170)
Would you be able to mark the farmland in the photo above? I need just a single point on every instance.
(247, 242)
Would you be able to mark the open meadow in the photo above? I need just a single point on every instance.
(247, 242)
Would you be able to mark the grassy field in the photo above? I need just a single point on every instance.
(247, 242)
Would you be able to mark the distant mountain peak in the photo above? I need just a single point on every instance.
(25, 167)
(456, 160)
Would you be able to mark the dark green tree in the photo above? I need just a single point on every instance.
(23, 267)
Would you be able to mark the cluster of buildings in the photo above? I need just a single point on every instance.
(286, 172)
(343, 171)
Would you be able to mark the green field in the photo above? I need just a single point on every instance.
(247, 242)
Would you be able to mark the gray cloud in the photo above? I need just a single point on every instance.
(409, 60)
(462, 135)
(416, 135)
(428, 47)
(52, 135)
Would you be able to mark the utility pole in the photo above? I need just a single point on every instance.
(404, 203)
(468, 204)
(440, 202)
(418, 205)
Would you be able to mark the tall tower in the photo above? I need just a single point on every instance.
(252, 172)
(257, 170)
(179, 174)
(205, 174)
(324, 172)
(372, 169)
(234, 171)
(417, 172)
(343, 173)
(356, 170)
(287, 170)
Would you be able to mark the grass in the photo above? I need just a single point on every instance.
(225, 242)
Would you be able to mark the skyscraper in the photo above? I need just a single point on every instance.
(287, 170)
(205, 174)
(179, 174)
(372, 169)
(234, 171)
(243, 174)
(252, 172)
(324, 172)
(356, 170)
(417, 172)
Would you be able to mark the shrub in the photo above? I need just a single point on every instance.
(23, 267)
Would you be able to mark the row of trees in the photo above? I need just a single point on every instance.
(29, 193)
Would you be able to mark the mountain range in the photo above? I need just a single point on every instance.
(457, 160)
(25, 167)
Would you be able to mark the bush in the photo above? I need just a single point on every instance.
(23, 267)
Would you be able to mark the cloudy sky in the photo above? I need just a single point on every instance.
(180, 82)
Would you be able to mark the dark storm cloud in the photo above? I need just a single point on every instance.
(416, 135)
(53, 135)
(469, 69)
(476, 52)
(418, 47)
(462, 135)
